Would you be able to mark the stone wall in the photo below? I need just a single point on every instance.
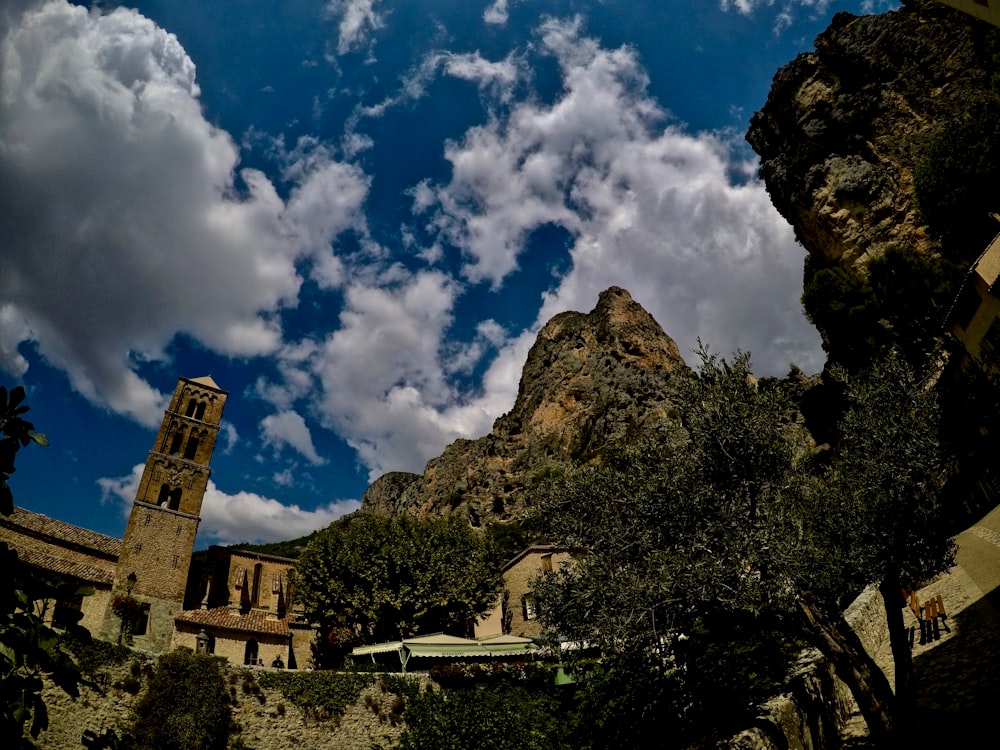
(266, 719)
(817, 709)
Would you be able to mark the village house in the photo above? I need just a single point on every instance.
(239, 606)
(515, 612)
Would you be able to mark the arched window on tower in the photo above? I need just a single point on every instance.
(200, 411)
(191, 407)
(191, 448)
(175, 444)
(174, 498)
(164, 497)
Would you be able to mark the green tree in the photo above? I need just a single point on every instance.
(372, 578)
(185, 706)
(876, 513)
(30, 651)
(727, 520)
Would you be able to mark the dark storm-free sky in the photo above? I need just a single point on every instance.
(356, 214)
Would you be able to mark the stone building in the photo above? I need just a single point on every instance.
(974, 319)
(239, 606)
(984, 10)
(77, 555)
(515, 613)
(246, 611)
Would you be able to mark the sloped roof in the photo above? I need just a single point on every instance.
(206, 380)
(62, 566)
(64, 534)
(254, 622)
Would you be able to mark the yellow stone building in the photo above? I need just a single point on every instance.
(239, 606)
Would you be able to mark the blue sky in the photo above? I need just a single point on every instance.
(356, 214)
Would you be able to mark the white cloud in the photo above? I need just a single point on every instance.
(359, 19)
(125, 218)
(497, 13)
(651, 208)
(243, 517)
(289, 428)
(497, 79)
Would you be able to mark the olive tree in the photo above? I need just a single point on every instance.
(730, 514)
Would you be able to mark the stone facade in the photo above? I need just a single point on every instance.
(240, 603)
(975, 317)
(515, 613)
(246, 611)
(159, 538)
(72, 553)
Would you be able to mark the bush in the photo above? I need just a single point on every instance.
(185, 706)
(499, 719)
(321, 695)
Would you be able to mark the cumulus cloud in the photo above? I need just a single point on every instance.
(242, 517)
(288, 428)
(650, 206)
(384, 388)
(126, 219)
(497, 13)
(358, 20)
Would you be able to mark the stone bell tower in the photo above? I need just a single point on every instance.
(159, 539)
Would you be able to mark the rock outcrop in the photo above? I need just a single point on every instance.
(589, 380)
(844, 127)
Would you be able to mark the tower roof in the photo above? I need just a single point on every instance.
(206, 380)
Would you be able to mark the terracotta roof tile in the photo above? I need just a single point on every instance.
(82, 571)
(35, 524)
(255, 621)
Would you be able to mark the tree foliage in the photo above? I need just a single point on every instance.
(185, 705)
(511, 718)
(29, 649)
(897, 301)
(729, 522)
(381, 578)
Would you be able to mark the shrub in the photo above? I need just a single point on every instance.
(500, 719)
(321, 695)
(185, 706)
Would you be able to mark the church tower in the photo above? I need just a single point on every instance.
(159, 539)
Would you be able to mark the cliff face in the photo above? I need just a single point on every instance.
(844, 127)
(589, 379)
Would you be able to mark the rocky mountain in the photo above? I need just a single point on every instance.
(846, 126)
(589, 380)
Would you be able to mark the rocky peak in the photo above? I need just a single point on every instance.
(844, 126)
(589, 380)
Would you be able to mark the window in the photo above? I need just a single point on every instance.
(250, 653)
(142, 621)
(192, 405)
(528, 605)
(191, 448)
(67, 612)
(175, 444)
(200, 412)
